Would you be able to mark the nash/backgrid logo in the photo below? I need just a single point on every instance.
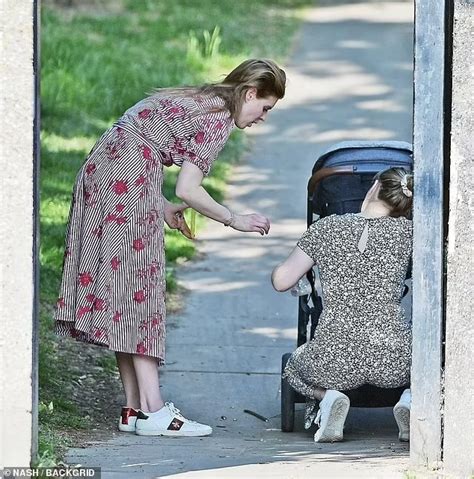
(14, 472)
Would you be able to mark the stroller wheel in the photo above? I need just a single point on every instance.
(287, 400)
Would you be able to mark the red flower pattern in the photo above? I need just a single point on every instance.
(156, 320)
(82, 311)
(60, 303)
(113, 218)
(85, 279)
(97, 231)
(144, 113)
(138, 244)
(140, 180)
(139, 296)
(99, 304)
(146, 152)
(116, 145)
(117, 316)
(141, 349)
(178, 146)
(115, 263)
(199, 138)
(98, 333)
(120, 187)
(90, 168)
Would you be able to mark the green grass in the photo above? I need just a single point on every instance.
(98, 60)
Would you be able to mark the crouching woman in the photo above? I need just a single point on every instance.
(363, 336)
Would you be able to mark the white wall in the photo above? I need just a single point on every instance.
(17, 95)
(458, 445)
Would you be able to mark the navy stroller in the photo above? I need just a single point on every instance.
(340, 180)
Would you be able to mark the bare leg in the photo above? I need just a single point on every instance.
(146, 370)
(129, 379)
(319, 393)
(312, 407)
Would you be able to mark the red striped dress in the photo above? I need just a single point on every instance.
(113, 285)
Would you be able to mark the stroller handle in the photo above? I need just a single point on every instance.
(344, 170)
(325, 172)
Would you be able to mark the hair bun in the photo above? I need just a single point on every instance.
(404, 184)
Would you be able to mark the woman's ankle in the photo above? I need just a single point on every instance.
(320, 393)
(152, 406)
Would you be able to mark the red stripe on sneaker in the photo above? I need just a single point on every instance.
(126, 413)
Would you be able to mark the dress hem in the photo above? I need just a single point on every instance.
(80, 336)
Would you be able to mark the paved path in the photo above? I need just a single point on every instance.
(349, 78)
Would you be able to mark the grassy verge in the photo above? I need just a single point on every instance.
(99, 58)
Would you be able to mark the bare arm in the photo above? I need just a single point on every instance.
(287, 274)
(190, 190)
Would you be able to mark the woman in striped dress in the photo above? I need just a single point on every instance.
(113, 285)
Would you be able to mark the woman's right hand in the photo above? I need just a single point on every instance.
(175, 219)
(252, 223)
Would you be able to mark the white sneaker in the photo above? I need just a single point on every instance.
(401, 411)
(331, 416)
(128, 419)
(168, 421)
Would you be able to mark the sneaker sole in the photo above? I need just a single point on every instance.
(126, 428)
(152, 432)
(333, 432)
(402, 417)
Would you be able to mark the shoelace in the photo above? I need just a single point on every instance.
(177, 412)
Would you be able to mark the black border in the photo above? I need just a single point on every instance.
(36, 231)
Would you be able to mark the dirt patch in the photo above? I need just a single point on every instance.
(94, 388)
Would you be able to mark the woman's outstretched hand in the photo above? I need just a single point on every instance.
(251, 223)
(174, 218)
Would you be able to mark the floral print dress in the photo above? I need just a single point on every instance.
(113, 285)
(362, 336)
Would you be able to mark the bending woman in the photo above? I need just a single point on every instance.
(113, 285)
(362, 336)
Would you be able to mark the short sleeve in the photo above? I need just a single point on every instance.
(212, 133)
(183, 128)
(314, 240)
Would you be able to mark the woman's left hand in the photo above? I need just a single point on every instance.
(174, 218)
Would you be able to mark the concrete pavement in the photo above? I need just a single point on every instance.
(350, 77)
